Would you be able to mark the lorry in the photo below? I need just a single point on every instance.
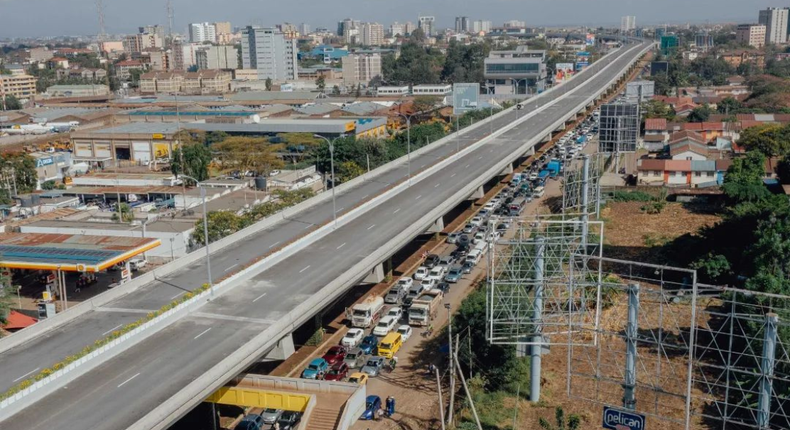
(363, 314)
(425, 308)
(554, 168)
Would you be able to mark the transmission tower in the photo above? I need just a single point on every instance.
(100, 11)
(169, 22)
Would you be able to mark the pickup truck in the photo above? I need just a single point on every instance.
(425, 308)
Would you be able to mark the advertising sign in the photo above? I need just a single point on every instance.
(465, 97)
(616, 419)
(564, 72)
(590, 39)
(161, 150)
(41, 162)
(581, 65)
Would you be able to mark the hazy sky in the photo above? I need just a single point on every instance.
(25, 18)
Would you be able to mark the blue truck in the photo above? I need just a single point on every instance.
(554, 168)
(543, 175)
(581, 139)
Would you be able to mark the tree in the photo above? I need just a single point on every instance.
(347, 170)
(783, 169)
(11, 103)
(658, 109)
(249, 154)
(220, 224)
(573, 422)
(700, 113)
(336, 90)
(744, 179)
(268, 84)
(415, 65)
(417, 36)
(22, 169)
(298, 144)
(729, 106)
(7, 292)
(320, 82)
(424, 103)
(134, 76)
(125, 211)
(196, 159)
(769, 139)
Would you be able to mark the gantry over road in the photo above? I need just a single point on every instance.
(160, 378)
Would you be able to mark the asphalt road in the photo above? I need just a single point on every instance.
(122, 390)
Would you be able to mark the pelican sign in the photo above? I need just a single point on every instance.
(616, 419)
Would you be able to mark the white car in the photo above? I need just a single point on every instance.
(137, 263)
(479, 237)
(385, 325)
(429, 284)
(405, 332)
(490, 206)
(533, 176)
(476, 221)
(352, 338)
(405, 283)
(395, 312)
(421, 273)
(494, 236)
(437, 273)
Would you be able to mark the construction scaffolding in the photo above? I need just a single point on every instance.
(619, 128)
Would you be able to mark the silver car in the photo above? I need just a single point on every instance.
(271, 415)
(373, 366)
(354, 358)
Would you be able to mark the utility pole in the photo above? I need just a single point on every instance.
(537, 339)
(439, 390)
(450, 357)
(585, 201)
(468, 395)
(631, 329)
(767, 371)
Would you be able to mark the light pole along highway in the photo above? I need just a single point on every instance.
(331, 144)
(205, 229)
(408, 140)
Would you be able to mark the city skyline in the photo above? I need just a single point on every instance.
(80, 18)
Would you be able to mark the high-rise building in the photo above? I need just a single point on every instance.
(290, 31)
(371, 34)
(409, 28)
(775, 22)
(515, 24)
(217, 57)
(751, 34)
(304, 29)
(360, 69)
(222, 28)
(397, 29)
(484, 26)
(627, 24)
(20, 86)
(703, 42)
(462, 24)
(153, 29)
(426, 24)
(202, 32)
(348, 29)
(270, 53)
(142, 42)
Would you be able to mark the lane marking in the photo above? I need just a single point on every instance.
(365, 196)
(124, 382)
(308, 226)
(120, 325)
(467, 166)
(274, 244)
(480, 157)
(373, 225)
(437, 185)
(339, 210)
(308, 266)
(344, 244)
(231, 267)
(259, 297)
(173, 298)
(203, 332)
(453, 175)
(26, 374)
(396, 211)
(418, 197)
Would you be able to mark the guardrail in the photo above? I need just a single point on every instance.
(238, 360)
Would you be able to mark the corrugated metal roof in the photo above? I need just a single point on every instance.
(273, 95)
(765, 117)
(317, 109)
(703, 166)
(66, 249)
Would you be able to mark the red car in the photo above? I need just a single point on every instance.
(338, 372)
(335, 354)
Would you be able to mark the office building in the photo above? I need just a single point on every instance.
(217, 57)
(270, 53)
(360, 69)
(462, 24)
(751, 34)
(619, 127)
(703, 42)
(627, 24)
(348, 29)
(775, 22)
(397, 29)
(160, 60)
(290, 31)
(137, 43)
(409, 28)
(484, 26)
(426, 24)
(515, 24)
(156, 30)
(371, 34)
(202, 32)
(509, 72)
(304, 29)
(19, 86)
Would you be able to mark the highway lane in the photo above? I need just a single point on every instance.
(285, 286)
(47, 349)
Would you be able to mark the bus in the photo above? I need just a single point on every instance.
(517, 206)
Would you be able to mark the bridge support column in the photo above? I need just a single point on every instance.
(530, 151)
(478, 194)
(376, 275)
(283, 350)
(436, 227)
(507, 170)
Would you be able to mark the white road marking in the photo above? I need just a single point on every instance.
(480, 157)
(344, 244)
(203, 332)
(304, 269)
(373, 225)
(26, 374)
(124, 382)
(418, 197)
(396, 211)
(308, 226)
(437, 185)
(119, 325)
(467, 166)
(259, 297)
(365, 196)
(231, 267)
(453, 175)
(173, 298)
(274, 244)
(339, 210)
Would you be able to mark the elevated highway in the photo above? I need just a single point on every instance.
(162, 377)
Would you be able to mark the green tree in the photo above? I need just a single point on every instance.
(729, 106)
(196, 159)
(657, 109)
(574, 422)
(464, 63)
(48, 185)
(7, 299)
(134, 76)
(249, 153)
(22, 168)
(783, 169)
(348, 170)
(299, 144)
(743, 181)
(320, 82)
(700, 113)
(268, 84)
(424, 103)
(11, 103)
(125, 211)
(415, 65)
(220, 224)
(769, 139)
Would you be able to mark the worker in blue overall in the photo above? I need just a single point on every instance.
(390, 406)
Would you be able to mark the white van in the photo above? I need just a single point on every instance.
(474, 256)
(538, 193)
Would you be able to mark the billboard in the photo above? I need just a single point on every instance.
(563, 72)
(466, 97)
(590, 39)
(581, 65)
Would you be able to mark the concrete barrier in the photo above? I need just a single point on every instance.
(177, 405)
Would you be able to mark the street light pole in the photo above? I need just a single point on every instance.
(205, 231)
(331, 144)
(408, 141)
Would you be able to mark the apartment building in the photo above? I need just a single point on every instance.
(217, 57)
(360, 69)
(372, 34)
(775, 22)
(751, 34)
(268, 51)
(19, 86)
(202, 32)
(200, 82)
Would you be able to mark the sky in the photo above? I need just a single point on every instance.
(31, 18)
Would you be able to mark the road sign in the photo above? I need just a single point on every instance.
(617, 419)
(465, 97)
